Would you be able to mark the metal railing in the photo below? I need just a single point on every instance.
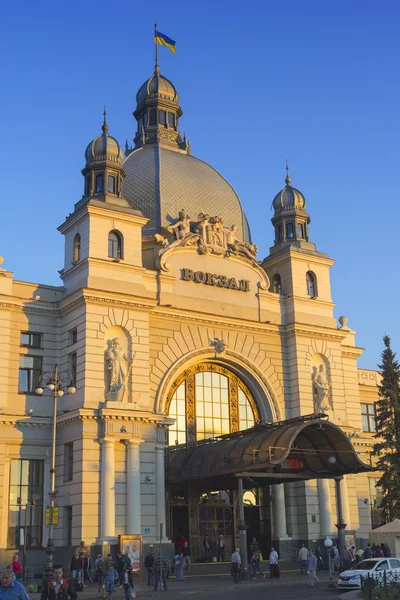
(381, 586)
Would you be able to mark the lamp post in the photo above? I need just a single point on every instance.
(328, 545)
(55, 384)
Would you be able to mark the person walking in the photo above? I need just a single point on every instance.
(76, 568)
(252, 560)
(11, 589)
(149, 566)
(378, 552)
(186, 555)
(179, 563)
(57, 587)
(220, 548)
(181, 542)
(368, 552)
(129, 588)
(274, 564)
(318, 554)
(207, 549)
(312, 568)
(98, 570)
(335, 559)
(388, 550)
(110, 579)
(160, 571)
(303, 557)
(236, 562)
(17, 569)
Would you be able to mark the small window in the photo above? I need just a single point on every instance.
(311, 284)
(144, 120)
(382, 566)
(68, 525)
(68, 461)
(77, 247)
(31, 340)
(163, 117)
(87, 185)
(395, 563)
(72, 367)
(289, 231)
(276, 284)
(99, 184)
(171, 119)
(300, 230)
(111, 184)
(114, 245)
(30, 370)
(73, 336)
(153, 116)
(368, 417)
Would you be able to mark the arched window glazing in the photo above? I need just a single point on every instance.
(311, 281)
(208, 401)
(289, 231)
(276, 284)
(114, 244)
(77, 248)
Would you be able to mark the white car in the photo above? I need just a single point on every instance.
(351, 579)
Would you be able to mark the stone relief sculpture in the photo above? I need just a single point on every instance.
(209, 235)
(117, 369)
(219, 346)
(321, 390)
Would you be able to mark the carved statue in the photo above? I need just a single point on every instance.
(182, 231)
(321, 390)
(117, 365)
(219, 346)
(237, 247)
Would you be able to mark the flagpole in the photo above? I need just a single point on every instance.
(157, 69)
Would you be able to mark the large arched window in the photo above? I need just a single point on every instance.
(276, 284)
(207, 401)
(77, 248)
(114, 244)
(311, 281)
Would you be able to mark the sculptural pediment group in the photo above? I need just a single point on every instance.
(207, 234)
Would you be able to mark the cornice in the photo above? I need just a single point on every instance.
(299, 254)
(315, 331)
(110, 414)
(93, 296)
(352, 351)
(25, 421)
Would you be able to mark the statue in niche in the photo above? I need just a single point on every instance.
(321, 390)
(117, 366)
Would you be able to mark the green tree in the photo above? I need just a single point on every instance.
(387, 448)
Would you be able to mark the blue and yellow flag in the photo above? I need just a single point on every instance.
(164, 40)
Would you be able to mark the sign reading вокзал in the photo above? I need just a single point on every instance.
(231, 283)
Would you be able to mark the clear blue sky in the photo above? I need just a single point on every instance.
(313, 81)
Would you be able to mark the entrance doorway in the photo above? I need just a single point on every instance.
(179, 522)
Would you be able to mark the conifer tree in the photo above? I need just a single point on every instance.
(387, 448)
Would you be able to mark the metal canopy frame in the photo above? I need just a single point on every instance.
(314, 447)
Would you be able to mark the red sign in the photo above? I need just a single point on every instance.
(293, 463)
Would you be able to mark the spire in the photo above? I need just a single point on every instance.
(156, 68)
(105, 126)
(287, 178)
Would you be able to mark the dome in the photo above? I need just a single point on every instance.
(104, 146)
(289, 199)
(160, 182)
(157, 85)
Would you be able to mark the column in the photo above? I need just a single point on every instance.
(242, 530)
(160, 488)
(345, 502)
(133, 499)
(279, 510)
(341, 524)
(107, 493)
(325, 508)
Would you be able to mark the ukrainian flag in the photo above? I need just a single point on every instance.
(164, 40)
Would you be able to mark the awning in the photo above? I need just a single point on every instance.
(303, 448)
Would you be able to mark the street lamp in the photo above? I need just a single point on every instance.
(56, 383)
(328, 545)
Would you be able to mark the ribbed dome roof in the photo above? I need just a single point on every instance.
(157, 85)
(160, 182)
(289, 199)
(104, 146)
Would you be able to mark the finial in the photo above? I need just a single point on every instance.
(287, 178)
(157, 68)
(105, 126)
(126, 147)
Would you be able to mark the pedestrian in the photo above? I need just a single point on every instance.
(17, 569)
(207, 549)
(181, 542)
(373, 549)
(76, 568)
(120, 567)
(11, 589)
(110, 579)
(388, 550)
(252, 559)
(57, 587)
(179, 563)
(186, 555)
(160, 571)
(87, 567)
(378, 552)
(368, 552)
(236, 562)
(312, 568)
(359, 555)
(347, 558)
(335, 559)
(129, 588)
(220, 548)
(274, 564)
(258, 565)
(254, 545)
(98, 570)
(318, 554)
(148, 565)
(303, 557)
(383, 548)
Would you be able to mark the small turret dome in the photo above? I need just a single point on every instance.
(289, 198)
(157, 85)
(104, 147)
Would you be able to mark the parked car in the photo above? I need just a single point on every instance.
(374, 567)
